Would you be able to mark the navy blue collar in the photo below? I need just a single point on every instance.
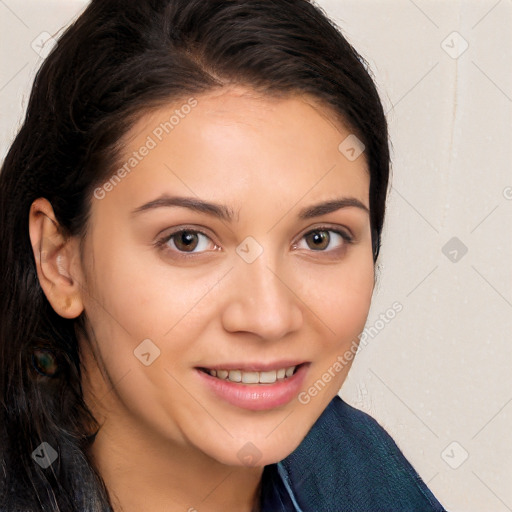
(347, 462)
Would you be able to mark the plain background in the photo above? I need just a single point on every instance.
(438, 375)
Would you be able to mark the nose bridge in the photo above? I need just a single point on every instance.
(262, 302)
(264, 282)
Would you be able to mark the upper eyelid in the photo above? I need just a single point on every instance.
(336, 229)
(201, 231)
(323, 227)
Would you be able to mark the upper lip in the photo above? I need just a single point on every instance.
(254, 367)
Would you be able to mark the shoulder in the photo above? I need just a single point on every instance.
(349, 462)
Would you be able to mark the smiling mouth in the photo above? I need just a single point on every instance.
(245, 377)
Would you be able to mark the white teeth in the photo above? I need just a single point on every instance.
(235, 376)
(250, 377)
(289, 371)
(268, 377)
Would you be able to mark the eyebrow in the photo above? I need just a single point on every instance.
(223, 212)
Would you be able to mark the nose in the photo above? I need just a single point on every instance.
(261, 300)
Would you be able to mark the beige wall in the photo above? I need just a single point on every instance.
(437, 375)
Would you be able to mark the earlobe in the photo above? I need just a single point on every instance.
(54, 254)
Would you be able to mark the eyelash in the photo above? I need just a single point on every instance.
(162, 242)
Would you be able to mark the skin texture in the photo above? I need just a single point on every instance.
(166, 441)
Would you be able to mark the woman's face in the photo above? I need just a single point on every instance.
(263, 283)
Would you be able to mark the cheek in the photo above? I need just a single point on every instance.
(340, 296)
(352, 301)
(133, 292)
(342, 303)
(140, 315)
(343, 310)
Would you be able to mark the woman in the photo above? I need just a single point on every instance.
(190, 219)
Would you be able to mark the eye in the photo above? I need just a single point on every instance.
(320, 239)
(186, 241)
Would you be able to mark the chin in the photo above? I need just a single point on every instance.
(271, 443)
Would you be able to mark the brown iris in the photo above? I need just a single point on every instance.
(186, 240)
(320, 239)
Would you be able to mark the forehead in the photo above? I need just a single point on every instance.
(225, 144)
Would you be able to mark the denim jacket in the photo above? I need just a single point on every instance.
(346, 463)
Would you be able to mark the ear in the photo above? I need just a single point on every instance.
(56, 259)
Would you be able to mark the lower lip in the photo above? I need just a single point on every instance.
(256, 397)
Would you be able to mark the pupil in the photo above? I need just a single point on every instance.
(321, 239)
(187, 239)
